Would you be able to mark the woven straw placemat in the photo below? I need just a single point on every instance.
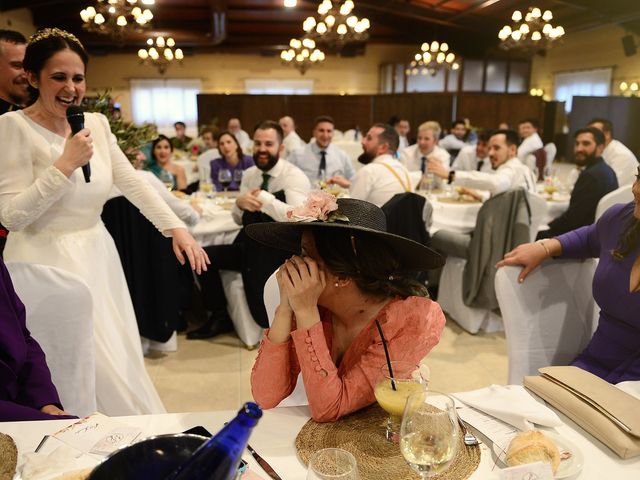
(8, 457)
(362, 434)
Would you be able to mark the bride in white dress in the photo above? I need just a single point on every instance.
(54, 216)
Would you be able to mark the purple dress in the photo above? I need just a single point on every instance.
(25, 380)
(219, 163)
(614, 351)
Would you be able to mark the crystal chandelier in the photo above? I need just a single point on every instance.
(630, 89)
(337, 25)
(116, 17)
(532, 34)
(431, 58)
(160, 53)
(302, 54)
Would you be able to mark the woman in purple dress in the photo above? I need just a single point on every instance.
(26, 390)
(614, 351)
(231, 159)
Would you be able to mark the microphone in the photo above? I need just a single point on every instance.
(75, 117)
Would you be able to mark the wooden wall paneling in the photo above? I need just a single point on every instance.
(487, 110)
(218, 109)
(417, 107)
(257, 108)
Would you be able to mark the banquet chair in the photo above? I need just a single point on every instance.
(551, 150)
(550, 317)
(245, 326)
(539, 209)
(620, 195)
(59, 315)
(204, 168)
(271, 301)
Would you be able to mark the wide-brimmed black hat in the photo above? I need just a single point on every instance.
(362, 217)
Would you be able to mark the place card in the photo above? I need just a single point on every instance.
(97, 434)
(530, 471)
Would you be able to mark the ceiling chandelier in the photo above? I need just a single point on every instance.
(337, 25)
(431, 58)
(302, 54)
(160, 53)
(532, 34)
(116, 17)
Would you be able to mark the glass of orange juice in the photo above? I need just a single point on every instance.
(391, 392)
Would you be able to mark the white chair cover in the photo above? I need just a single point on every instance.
(246, 327)
(59, 307)
(271, 301)
(549, 318)
(620, 195)
(539, 209)
(551, 150)
(204, 168)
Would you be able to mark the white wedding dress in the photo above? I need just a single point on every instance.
(55, 220)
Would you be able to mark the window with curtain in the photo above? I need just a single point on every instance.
(164, 102)
(268, 86)
(586, 83)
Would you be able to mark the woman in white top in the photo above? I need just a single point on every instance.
(54, 216)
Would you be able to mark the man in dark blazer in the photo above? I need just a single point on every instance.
(596, 180)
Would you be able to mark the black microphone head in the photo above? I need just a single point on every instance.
(75, 117)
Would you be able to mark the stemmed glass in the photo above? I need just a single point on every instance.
(429, 433)
(391, 391)
(237, 176)
(224, 177)
(167, 178)
(332, 464)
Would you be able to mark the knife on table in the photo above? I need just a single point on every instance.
(263, 463)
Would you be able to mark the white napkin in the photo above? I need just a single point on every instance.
(511, 404)
(46, 466)
(210, 210)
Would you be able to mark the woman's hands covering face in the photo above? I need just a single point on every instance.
(303, 281)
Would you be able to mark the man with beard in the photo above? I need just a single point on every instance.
(13, 83)
(382, 175)
(596, 180)
(268, 190)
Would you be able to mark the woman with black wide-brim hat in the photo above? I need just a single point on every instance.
(347, 272)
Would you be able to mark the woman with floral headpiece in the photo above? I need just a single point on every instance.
(347, 273)
(53, 214)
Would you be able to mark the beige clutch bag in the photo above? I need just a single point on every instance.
(606, 412)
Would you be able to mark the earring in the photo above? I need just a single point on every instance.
(337, 284)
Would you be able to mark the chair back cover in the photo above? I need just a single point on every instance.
(620, 195)
(59, 315)
(539, 208)
(549, 318)
(551, 150)
(405, 216)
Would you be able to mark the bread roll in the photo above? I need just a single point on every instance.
(8, 457)
(533, 446)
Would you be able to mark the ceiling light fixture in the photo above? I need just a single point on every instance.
(117, 17)
(160, 53)
(431, 58)
(530, 33)
(336, 26)
(302, 54)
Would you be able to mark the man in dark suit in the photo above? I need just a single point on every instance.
(596, 180)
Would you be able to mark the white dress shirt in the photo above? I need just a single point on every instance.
(622, 161)
(308, 158)
(246, 144)
(292, 142)
(509, 175)
(284, 176)
(403, 142)
(468, 160)
(529, 145)
(451, 142)
(411, 157)
(376, 184)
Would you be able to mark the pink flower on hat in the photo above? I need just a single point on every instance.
(317, 206)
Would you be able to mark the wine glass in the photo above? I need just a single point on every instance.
(224, 177)
(391, 392)
(206, 187)
(427, 182)
(167, 178)
(237, 176)
(429, 432)
(332, 464)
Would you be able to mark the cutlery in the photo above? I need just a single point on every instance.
(468, 438)
(263, 463)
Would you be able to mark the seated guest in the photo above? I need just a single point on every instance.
(347, 273)
(321, 159)
(595, 181)
(416, 156)
(455, 140)
(268, 190)
(613, 352)
(508, 172)
(292, 140)
(382, 175)
(232, 159)
(531, 141)
(615, 153)
(26, 390)
(161, 151)
(243, 138)
(475, 157)
(402, 127)
(181, 141)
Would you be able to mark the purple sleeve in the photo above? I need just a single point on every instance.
(247, 161)
(13, 412)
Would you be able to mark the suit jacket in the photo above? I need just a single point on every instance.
(594, 182)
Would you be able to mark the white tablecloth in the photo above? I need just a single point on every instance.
(274, 436)
(216, 226)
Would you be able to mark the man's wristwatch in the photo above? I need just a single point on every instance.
(452, 176)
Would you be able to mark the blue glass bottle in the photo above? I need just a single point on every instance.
(219, 457)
